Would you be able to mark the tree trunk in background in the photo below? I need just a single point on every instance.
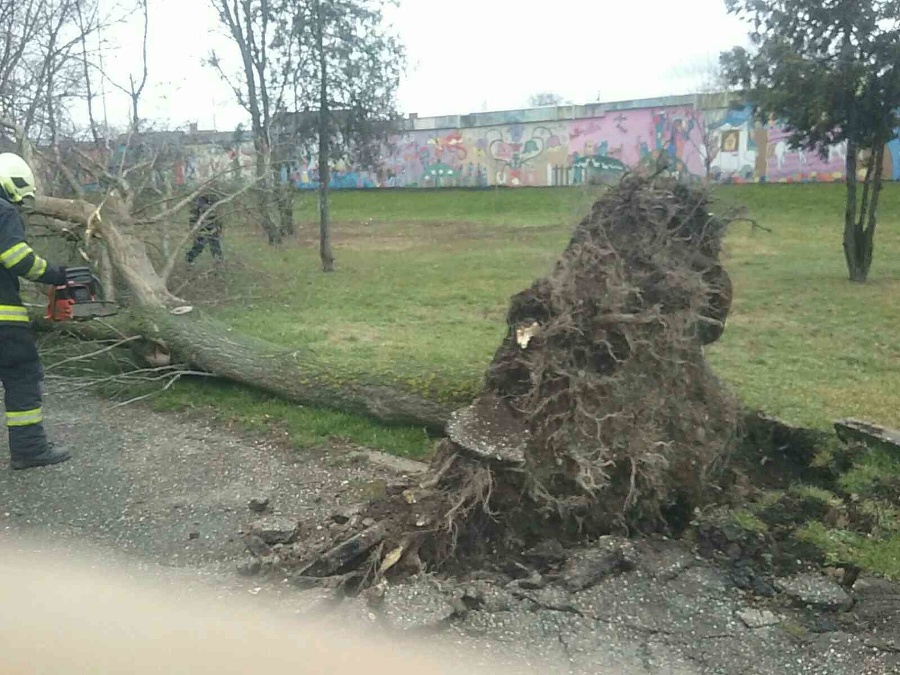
(264, 193)
(860, 216)
(325, 252)
(850, 228)
(285, 194)
(872, 215)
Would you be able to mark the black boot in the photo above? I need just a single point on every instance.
(52, 455)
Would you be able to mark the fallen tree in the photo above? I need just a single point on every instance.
(598, 412)
(203, 343)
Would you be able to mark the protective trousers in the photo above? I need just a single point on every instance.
(22, 375)
(214, 239)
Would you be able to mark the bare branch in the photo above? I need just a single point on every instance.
(98, 352)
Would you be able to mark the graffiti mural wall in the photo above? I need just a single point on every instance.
(180, 158)
(748, 151)
(519, 148)
(531, 153)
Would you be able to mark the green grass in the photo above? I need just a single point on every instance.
(876, 467)
(748, 521)
(872, 485)
(499, 206)
(802, 341)
(303, 427)
(423, 279)
(841, 547)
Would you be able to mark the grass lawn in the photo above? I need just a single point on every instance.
(802, 341)
(423, 279)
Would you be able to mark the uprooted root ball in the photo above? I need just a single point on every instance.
(598, 411)
(604, 360)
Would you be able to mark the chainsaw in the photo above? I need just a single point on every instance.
(79, 298)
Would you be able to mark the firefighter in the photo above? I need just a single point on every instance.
(20, 365)
(210, 231)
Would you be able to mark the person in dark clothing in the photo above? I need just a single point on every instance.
(20, 364)
(210, 230)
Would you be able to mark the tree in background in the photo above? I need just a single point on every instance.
(348, 93)
(831, 71)
(711, 87)
(545, 98)
(333, 60)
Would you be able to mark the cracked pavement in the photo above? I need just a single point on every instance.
(640, 623)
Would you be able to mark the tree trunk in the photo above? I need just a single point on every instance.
(872, 215)
(852, 230)
(264, 193)
(325, 252)
(127, 252)
(292, 374)
(286, 208)
(295, 375)
(107, 275)
(860, 219)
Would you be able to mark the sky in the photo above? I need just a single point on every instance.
(463, 56)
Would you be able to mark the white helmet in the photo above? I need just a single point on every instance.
(16, 177)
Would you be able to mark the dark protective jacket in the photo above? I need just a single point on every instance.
(18, 259)
(212, 223)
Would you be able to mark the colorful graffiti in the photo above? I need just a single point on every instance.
(198, 163)
(754, 152)
(727, 145)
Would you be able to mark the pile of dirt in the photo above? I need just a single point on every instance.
(598, 412)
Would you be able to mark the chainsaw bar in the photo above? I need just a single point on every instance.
(94, 309)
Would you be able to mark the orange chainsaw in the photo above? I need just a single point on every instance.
(80, 298)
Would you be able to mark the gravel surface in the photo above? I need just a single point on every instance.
(170, 488)
(169, 495)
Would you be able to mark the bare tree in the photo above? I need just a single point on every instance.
(137, 84)
(39, 66)
(709, 85)
(545, 98)
(261, 31)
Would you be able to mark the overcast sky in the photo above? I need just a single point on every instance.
(463, 56)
